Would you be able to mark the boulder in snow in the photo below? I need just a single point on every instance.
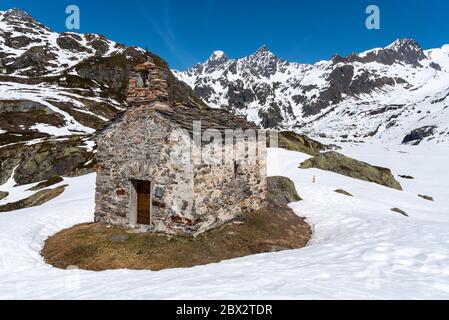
(281, 191)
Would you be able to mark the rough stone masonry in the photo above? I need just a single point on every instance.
(149, 144)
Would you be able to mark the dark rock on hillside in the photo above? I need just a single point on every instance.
(343, 192)
(42, 161)
(400, 211)
(271, 118)
(113, 71)
(18, 115)
(426, 197)
(292, 141)
(338, 163)
(417, 135)
(71, 43)
(3, 194)
(34, 59)
(18, 42)
(281, 191)
(48, 183)
(35, 200)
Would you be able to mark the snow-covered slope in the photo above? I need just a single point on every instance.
(20, 33)
(56, 90)
(44, 78)
(360, 249)
(382, 93)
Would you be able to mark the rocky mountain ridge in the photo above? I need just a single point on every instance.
(385, 93)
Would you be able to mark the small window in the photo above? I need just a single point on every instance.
(236, 166)
(143, 79)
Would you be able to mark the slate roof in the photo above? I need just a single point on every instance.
(184, 116)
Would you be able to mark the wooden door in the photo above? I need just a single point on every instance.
(143, 202)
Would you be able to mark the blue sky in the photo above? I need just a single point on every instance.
(185, 32)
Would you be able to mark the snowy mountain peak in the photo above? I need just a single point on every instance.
(15, 16)
(409, 51)
(217, 58)
(262, 53)
(263, 50)
(217, 55)
(401, 51)
(16, 12)
(216, 61)
(403, 44)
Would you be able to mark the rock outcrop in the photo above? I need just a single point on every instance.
(416, 136)
(43, 160)
(281, 191)
(428, 198)
(400, 211)
(3, 194)
(35, 200)
(338, 163)
(48, 183)
(343, 192)
(293, 141)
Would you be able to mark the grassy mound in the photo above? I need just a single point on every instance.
(293, 141)
(101, 247)
(338, 163)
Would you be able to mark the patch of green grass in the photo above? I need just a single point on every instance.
(91, 246)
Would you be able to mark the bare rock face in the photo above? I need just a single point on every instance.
(281, 191)
(293, 141)
(34, 59)
(45, 160)
(72, 43)
(338, 163)
(3, 195)
(47, 183)
(344, 192)
(36, 199)
(428, 198)
(400, 211)
(407, 51)
(418, 135)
